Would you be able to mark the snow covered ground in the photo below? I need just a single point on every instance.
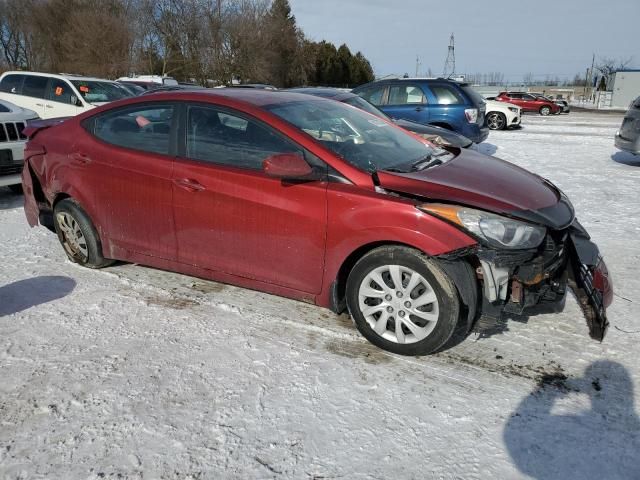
(132, 373)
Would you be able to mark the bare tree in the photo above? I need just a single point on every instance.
(607, 66)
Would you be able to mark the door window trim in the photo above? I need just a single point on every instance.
(89, 125)
(181, 155)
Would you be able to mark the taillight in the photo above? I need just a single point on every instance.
(471, 114)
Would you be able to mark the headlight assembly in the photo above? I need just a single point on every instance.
(495, 230)
(513, 109)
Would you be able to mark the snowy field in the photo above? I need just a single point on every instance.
(134, 373)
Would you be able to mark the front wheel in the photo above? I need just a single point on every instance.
(402, 301)
(496, 121)
(545, 111)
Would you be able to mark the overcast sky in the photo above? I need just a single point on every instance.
(544, 37)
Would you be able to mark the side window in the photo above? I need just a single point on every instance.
(34, 86)
(446, 95)
(142, 127)
(219, 137)
(60, 91)
(373, 95)
(530, 97)
(12, 84)
(517, 96)
(405, 95)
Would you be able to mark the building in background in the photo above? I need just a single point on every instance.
(625, 87)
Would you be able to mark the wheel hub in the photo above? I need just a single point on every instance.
(398, 303)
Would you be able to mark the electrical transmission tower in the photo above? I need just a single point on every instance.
(450, 62)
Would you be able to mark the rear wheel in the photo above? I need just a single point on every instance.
(402, 301)
(545, 110)
(496, 121)
(77, 235)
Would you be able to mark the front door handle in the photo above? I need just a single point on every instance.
(39, 105)
(82, 158)
(418, 109)
(189, 184)
(48, 106)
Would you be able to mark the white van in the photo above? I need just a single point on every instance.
(159, 79)
(52, 96)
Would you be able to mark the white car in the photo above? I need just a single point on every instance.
(12, 121)
(51, 95)
(502, 115)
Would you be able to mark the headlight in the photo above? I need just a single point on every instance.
(513, 109)
(497, 231)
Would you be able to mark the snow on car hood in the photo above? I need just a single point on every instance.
(487, 183)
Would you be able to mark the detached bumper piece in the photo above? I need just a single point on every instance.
(525, 283)
(590, 281)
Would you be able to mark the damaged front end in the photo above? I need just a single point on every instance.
(532, 282)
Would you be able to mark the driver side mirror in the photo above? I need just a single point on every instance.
(75, 101)
(288, 166)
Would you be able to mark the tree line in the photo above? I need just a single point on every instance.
(206, 41)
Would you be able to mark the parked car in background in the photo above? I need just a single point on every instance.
(441, 102)
(149, 80)
(259, 86)
(564, 105)
(173, 88)
(529, 102)
(315, 200)
(51, 95)
(132, 88)
(628, 137)
(501, 115)
(437, 135)
(138, 84)
(13, 120)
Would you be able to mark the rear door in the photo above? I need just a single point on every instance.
(231, 217)
(447, 104)
(131, 154)
(407, 101)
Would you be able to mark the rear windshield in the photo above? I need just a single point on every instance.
(94, 91)
(475, 97)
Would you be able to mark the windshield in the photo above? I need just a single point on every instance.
(94, 91)
(363, 140)
(362, 104)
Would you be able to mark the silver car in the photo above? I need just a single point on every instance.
(628, 137)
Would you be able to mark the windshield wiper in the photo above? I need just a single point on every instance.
(429, 161)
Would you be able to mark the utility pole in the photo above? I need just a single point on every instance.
(450, 62)
(417, 64)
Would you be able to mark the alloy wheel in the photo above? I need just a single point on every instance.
(495, 121)
(398, 303)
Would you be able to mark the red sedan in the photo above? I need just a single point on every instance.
(529, 102)
(314, 200)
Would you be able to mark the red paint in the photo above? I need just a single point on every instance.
(476, 180)
(244, 226)
(530, 104)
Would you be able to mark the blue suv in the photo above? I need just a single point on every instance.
(430, 101)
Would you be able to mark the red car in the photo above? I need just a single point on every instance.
(530, 103)
(314, 200)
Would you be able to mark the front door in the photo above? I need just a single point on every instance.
(231, 217)
(408, 102)
(61, 100)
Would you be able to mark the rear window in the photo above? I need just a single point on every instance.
(475, 97)
(447, 95)
(34, 86)
(11, 84)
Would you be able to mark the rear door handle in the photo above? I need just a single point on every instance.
(418, 109)
(48, 106)
(189, 184)
(81, 158)
(39, 105)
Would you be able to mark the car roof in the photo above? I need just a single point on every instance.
(325, 92)
(64, 76)
(253, 96)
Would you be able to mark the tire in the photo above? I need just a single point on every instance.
(17, 189)
(77, 235)
(544, 110)
(496, 121)
(379, 307)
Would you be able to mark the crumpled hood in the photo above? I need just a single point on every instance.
(486, 183)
